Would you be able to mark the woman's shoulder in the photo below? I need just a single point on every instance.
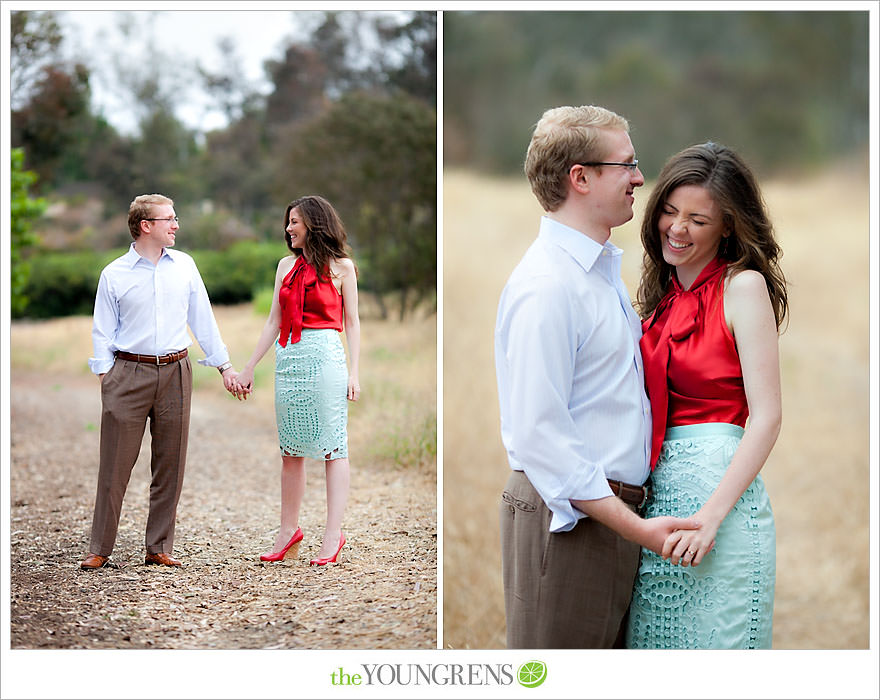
(745, 289)
(286, 263)
(342, 266)
(745, 282)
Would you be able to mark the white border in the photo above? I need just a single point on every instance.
(283, 674)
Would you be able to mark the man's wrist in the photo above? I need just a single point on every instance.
(616, 515)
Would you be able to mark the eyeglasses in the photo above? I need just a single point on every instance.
(632, 166)
(167, 218)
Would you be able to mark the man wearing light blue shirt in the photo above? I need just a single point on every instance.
(575, 420)
(144, 303)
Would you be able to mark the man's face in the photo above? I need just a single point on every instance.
(163, 227)
(614, 185)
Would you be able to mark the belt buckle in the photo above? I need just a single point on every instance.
(158, 363)
(644, 498)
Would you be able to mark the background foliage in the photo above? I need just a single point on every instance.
(351, 121)
(24, 209)
(789, 90)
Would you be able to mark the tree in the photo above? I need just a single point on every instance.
(236, 166)
(35, 40)
(336, 40)
(165, 158)
(228, 87)
(415, 43)
(300, 81)
(379, 51)
(23, 210)
(786, 89)
(374, 157)
(55, 119)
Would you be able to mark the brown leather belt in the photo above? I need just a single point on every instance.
(158, 360)
(633, 495)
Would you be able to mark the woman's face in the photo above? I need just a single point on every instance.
(691, 228)
(297, 229)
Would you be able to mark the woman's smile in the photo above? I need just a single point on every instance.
(677, 245)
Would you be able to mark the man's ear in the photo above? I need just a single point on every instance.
(578, 179)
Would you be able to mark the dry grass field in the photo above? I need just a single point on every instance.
(817, 476)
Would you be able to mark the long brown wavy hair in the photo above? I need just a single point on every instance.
(327, 239)
(751, 244)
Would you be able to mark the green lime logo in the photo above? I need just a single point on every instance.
(531, 674)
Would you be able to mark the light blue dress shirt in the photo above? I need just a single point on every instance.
(570, 381)
(144, 308)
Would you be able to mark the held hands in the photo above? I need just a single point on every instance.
(688, 547)
(240, 384)
(244, 382)
(659, 530)
(683, 541)
(231, 380)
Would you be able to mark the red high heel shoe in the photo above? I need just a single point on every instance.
(327, 560)
(291, 549)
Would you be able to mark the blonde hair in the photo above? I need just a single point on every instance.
(565, 136)
(141, 208)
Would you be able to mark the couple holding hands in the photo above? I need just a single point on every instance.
(635, 515)
(144, 303)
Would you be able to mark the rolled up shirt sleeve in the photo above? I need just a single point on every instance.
(536, 343)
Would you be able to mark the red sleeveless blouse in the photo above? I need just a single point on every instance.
(307, 300)
(692, 369)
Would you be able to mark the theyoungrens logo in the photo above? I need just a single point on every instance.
(529, 675)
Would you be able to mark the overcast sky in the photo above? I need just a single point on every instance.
(94, 36)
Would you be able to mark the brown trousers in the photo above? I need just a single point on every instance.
(565, 590)
(131, 392)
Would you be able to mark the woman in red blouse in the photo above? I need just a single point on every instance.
(315, 298)
(712, 299)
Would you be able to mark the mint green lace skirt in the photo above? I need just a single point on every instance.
(311, 396)
(726, 602)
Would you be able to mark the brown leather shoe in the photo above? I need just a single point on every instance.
(161, 558)
(93, 561)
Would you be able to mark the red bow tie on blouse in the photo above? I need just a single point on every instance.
(297, 280)
(674, 319)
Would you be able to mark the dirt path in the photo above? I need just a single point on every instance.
(382, 595)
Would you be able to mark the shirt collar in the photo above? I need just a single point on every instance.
(133, 257)
(581, 247)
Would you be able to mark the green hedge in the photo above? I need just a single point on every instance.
(64, 284)
(234, 275)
